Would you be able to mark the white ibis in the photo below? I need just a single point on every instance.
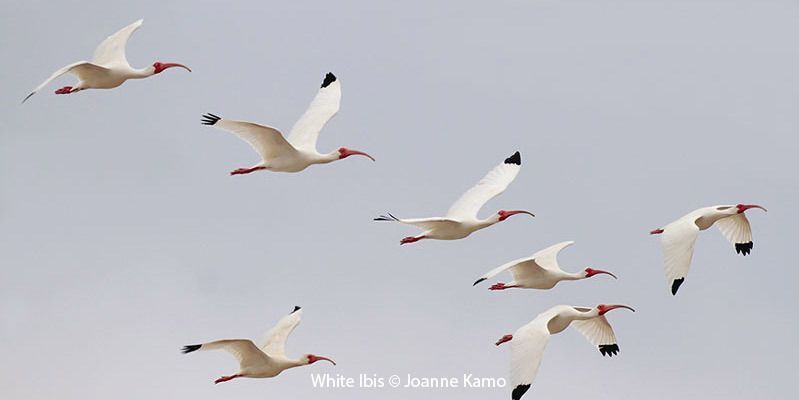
(461, 219)
(298, 151)
(539, 271)
(266, 360)
(528, 342)
(679, 237)
(109, 68)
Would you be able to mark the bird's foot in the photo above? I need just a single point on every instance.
(242, 171)
(499, 286)
(65, 90)
(506, 338)
(410, 239)
(226, 378)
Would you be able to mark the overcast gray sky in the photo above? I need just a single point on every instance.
(123, 238)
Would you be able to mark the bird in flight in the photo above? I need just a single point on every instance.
(461, 219)
(109, 68)
(268, 358)
(539, 271)
(678, 238)
(298, 150)
(528, 342)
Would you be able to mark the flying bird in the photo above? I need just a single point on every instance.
(539, 271)
(265, 360)
(109, 68)
(461, 219)
(298, 151)
(680, 236)
(528, 342)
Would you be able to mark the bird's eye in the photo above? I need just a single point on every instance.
(723, 208)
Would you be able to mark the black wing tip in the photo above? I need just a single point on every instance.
(609, 349)
(27, 97)
(675, 285)
(519, 391)
(296, 308)
(478, 281)
(387, 217)
(190, 348)
(329, 78)
(744, 248)
(516, 158)
(210, 119)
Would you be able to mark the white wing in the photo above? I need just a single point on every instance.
(84, 70)
(274, 343)
(548, 258)
(527, 350)
(243, 349)
(599, 332)
(324, 106)
(678, 241)
(737, 231)
(494, 183)
(522, 270)
(267, 141)
(423, 223)
(111, 52)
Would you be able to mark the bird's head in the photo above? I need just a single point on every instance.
(159, 67)
(345, 152)
(503, 214)
(603, 308)
(589, 272)
(311, 358)
(740, 208)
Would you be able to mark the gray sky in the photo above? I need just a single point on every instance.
(123, 237)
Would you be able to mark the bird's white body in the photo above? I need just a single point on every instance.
(266, 360)
(461, 219)
(539, 271)
(679, 237)
(297, 151)
(527, 344)
(108, 69)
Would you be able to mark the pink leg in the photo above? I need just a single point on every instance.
(226, 378)
(501, 286)
(411, 239)
(506, 338)
(65, 90)
(242, 171)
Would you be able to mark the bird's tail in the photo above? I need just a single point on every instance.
(190, 348)
(387, 217)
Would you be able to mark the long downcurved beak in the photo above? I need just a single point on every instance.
(503, 215)
(615, 306)
(593, 272)
(347, 152)
(744, 207)
(171, 65)
(317, 358)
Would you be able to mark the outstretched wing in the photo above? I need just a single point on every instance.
(548, 258)
(737, 231)
(678, 241)
(494, 183)
(274, 342)
(243, 349)
(422, 223)
(527, 350)
(599, 332)
(522, 270)
(267, 141)
(84, 70)
(111, 52)
(325, 105)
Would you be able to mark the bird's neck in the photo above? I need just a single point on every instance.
(569, 276)
(141, 73)
(485, 223)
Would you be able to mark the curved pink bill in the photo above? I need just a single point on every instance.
(503, 215)
(171, 65)
(317, 358)
(592, 272)
(348, 152)
(744, 207)
(605, 308)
